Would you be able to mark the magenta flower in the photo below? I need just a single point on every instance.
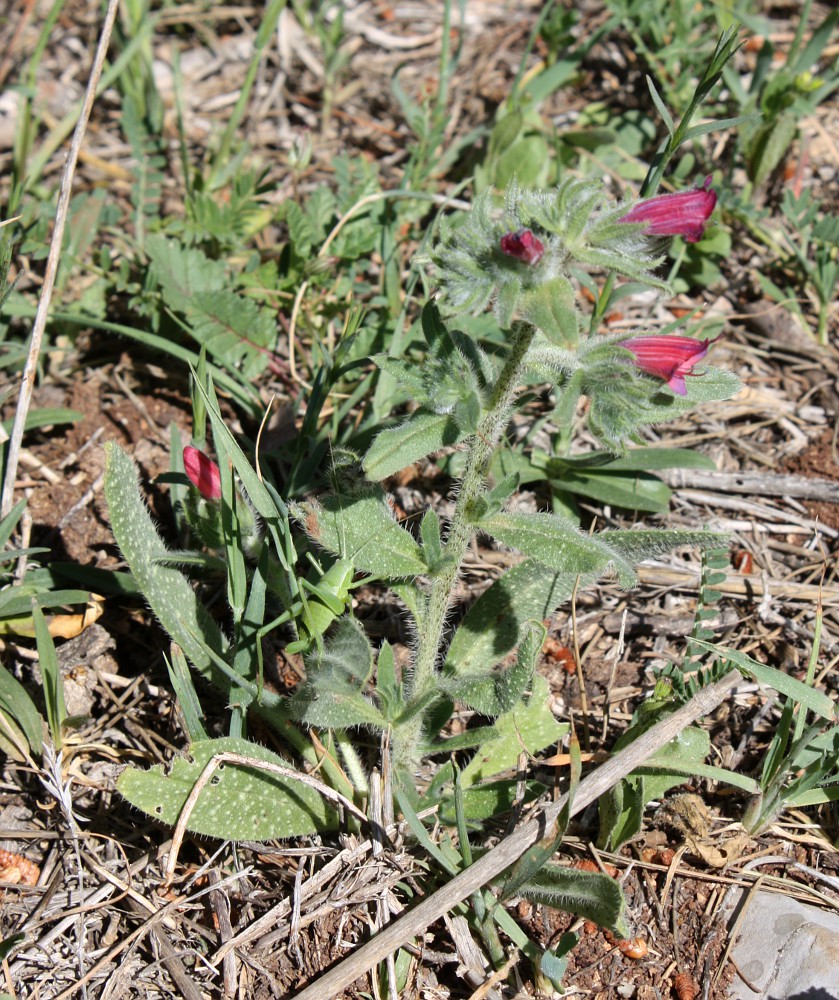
(670, 358)
(523, 245)
(682, 214)
(203, 473)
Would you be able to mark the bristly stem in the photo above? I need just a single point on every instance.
(461, 530)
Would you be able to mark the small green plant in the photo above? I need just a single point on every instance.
(783, 96)
(507, 314)
(808, 262)
(521, 259)
(801, 763)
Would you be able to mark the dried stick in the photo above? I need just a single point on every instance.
(513, 847)
(42, 312)
(766, 484)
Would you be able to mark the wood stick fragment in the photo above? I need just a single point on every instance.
(767, 484)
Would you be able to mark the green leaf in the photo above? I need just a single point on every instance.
(231, 326)
(556, 542)
(363, 530)
(636, 545)
(181, 271)
(10, 521)
(491, 798)
(495, 693)
(21, 713)
(530, 727)
(550, 308)
(167, 590)
(591, 895)
(771, 144)
(621, 812)
(421, 434)
(17, 601)
(45, 417)
(661, 107)
(634, 491)
(712, 386)
(498, 620)
(388, 688)
(184, 688)
(51, 676)
(238, 803)
(432, 546)
(337, 675)
(809, 697)
(7, 946)
(635, 460)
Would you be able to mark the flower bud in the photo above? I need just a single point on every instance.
(203, 473)
(681, 214)
(670, 358)
(523, 246)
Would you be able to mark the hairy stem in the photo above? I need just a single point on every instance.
(461, 531)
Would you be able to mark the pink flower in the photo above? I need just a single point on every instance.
(203, 473)
(682, 214)
(670, 358)
(523, 245)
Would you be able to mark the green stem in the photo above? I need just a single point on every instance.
(461, 530)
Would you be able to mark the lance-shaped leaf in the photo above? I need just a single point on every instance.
(556, 543)
(586, 894)
(637, 545)
(363, 530)
(167, 590)
(237, 803)
(421, 434)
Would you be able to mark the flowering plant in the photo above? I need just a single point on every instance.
(526, 259)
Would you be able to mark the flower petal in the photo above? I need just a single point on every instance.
(682, 214)
(203, 473)
(668, 357)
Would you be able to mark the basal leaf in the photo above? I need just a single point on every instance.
(591, 895)
(238, 803)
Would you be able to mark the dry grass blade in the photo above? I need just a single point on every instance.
(511, 848)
